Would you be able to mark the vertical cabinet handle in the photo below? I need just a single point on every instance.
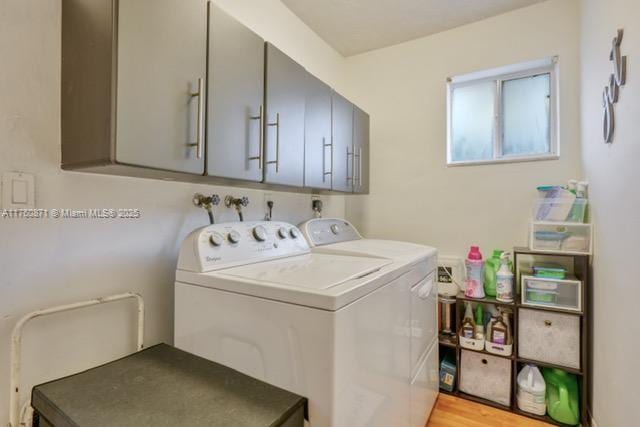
(324, 161)
(349, 155)
(277, 126)
(360, 166)
(199, 144)
(260, 118)
(357, 175)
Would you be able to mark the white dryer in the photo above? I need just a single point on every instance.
(339, 237)
(334, 328)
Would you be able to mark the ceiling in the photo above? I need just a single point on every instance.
(356, 26)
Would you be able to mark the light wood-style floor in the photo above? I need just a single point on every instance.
(451, 411)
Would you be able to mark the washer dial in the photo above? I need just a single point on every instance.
(233, 236)
(215, 239)
(282, 233)
(260, 233)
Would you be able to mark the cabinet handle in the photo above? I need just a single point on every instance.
(277, 160)
(259, 117)
(199, 144)
(324, 156)
(357, 176)
(349, 154)
(360, 166)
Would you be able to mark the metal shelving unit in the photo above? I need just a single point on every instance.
(580, 265)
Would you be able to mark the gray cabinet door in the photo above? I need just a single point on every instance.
(286, 83)
(361, 151)
(317, 135)
(235, 96)
(342, 178)
(161, 57)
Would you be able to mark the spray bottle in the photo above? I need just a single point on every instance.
(504, 282)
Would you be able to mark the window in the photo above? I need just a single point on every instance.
(506, 114)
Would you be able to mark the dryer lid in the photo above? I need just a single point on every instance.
(315, 272)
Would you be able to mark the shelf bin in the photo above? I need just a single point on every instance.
(562, 294)
(563, 237)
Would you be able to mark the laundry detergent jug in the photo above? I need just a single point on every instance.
(562, 396)
(531, 391)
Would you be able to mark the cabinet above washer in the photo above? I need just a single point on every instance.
(186, 92)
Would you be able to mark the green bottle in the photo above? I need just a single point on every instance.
(491, 267)
(563, 396)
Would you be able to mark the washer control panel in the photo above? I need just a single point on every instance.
(325, 231)
(237, 243)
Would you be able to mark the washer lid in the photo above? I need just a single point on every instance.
(311, 271)
(380, 248)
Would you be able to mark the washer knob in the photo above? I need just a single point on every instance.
(282, 233)
(260, 233)
(294, 233)
(335, 229)
(233, 236)
(215, 239)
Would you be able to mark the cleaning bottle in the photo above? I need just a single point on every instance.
(499, 332)
(475, 274)
(490, 270)
(479, 331)
(531, 391)
(468, 325)
(504, 284)
(562, 396)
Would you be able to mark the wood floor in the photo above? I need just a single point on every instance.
(451, 411)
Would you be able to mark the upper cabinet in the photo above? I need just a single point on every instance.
(286, 89)
(342, 159)
(318, 159)
(360, 151)
(181, 90)
(154, 116)
(235, 114)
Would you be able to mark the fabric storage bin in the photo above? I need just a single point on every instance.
(566, 237)
(485, 376)
(565, 294)
(549, 337)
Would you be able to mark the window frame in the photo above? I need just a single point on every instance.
(499, 76)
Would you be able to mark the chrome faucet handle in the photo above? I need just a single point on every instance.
(231, 201)
(202, 201)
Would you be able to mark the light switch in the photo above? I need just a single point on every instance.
(18, 190)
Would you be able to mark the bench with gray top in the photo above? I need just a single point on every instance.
(165, 386)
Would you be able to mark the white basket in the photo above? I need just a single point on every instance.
(500, 349)
(471, 343)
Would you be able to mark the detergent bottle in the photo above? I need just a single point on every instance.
(475, 273)
(562, 396)
(490, 270)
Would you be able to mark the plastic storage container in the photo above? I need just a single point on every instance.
(570, 238)
(560, 210)
(554, 293)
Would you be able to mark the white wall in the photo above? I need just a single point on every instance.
(414, 196)
(613, 173)
(48, 262)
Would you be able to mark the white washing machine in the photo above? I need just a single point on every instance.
(339, 237)
(334, 328)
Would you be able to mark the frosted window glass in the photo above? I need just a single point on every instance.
(472, 119)
(525, 105)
